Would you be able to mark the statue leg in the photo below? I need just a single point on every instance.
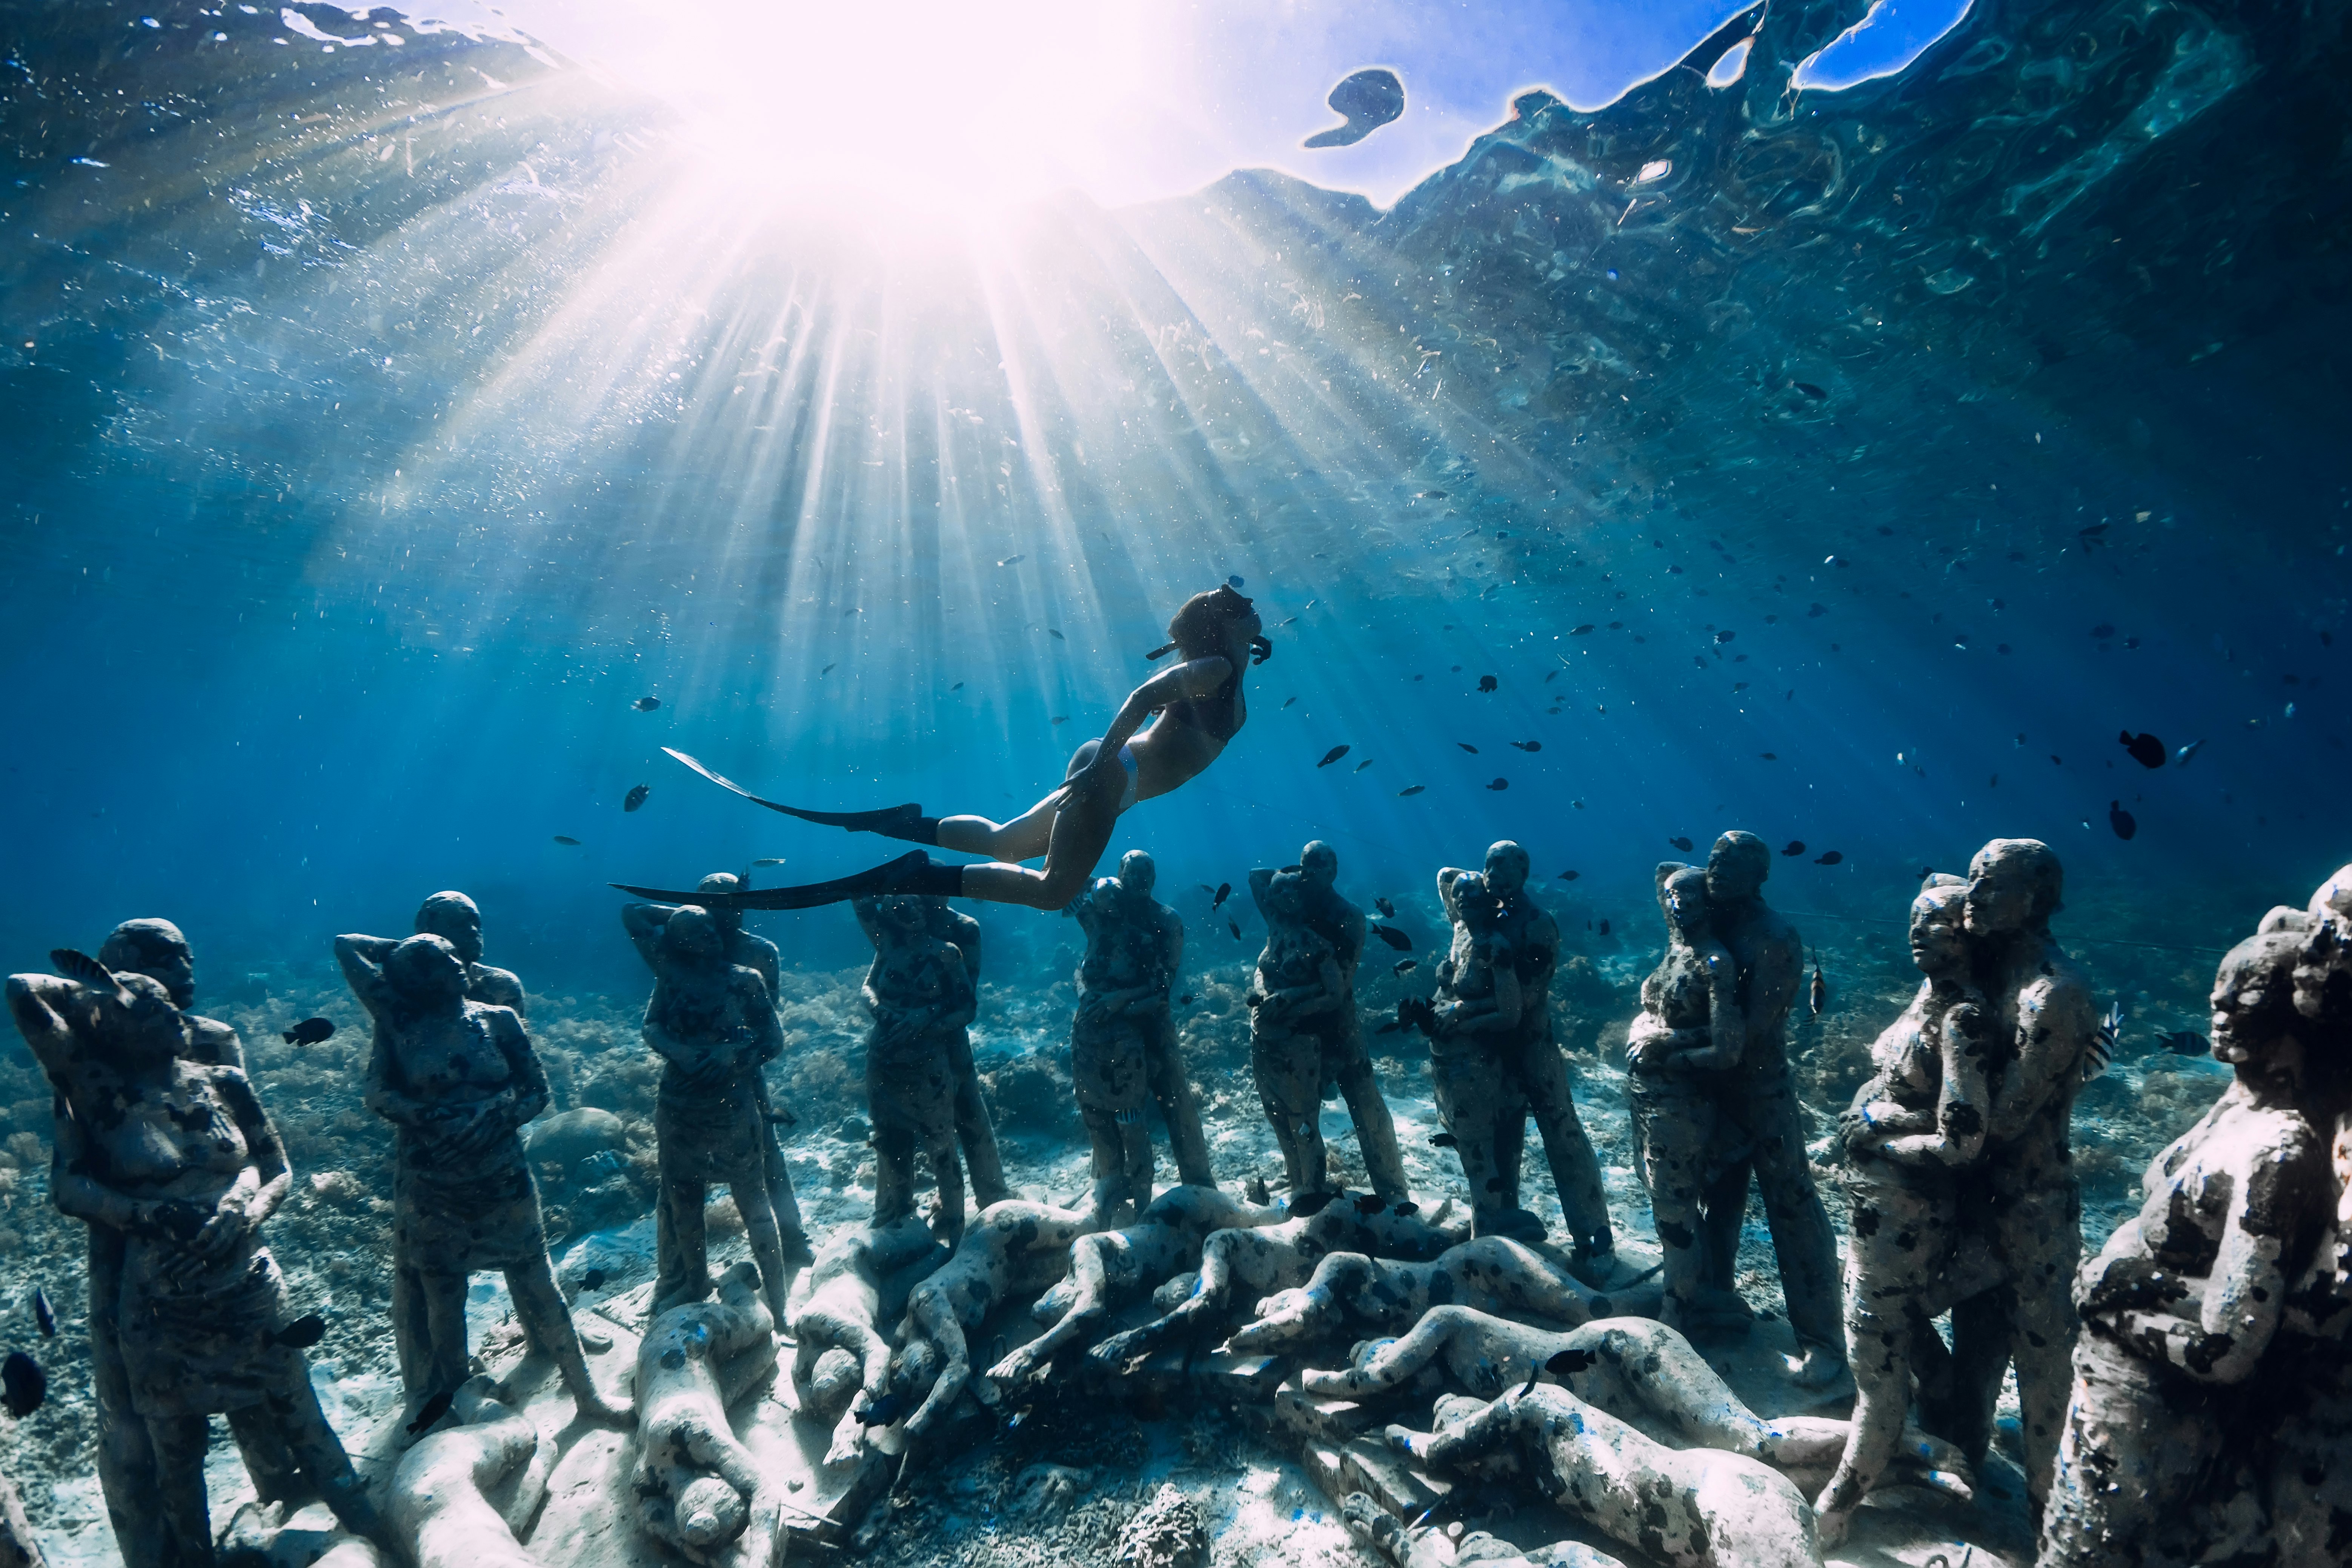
(1179, 1102)
(1899, 1242)
(1288, 1067)
(947, 1171)
(975, 1130)
(1468, 1094)
(182, 1508)
(1803, 1239)
(443, 1365)
(682, 1272)
(1384, 1364)
(1542, 1074)
(1959, 1391)
(546, 1319)
(2137, 1439)
(1723, 1214)
(126, 1457)
(276, 1474)
(780, 1196)
(1375, 1128)
(291, 1415)
(2040, 1239)
(1676, 1126)
(766, 1236)
(1100, 1079)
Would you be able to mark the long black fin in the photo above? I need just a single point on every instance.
(913, 872)
(907, 822)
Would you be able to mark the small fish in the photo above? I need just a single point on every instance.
(1829, 857)
(1224, 892)
(1411, 789)
(1500, 784)
(82, 967)
(302, 1333)
(1234, 583)
(1059, 719)
(44, 1317)
(1286, 702)
(1360, 767)
(1604, 927)
(1234, 926)
(1311, 1203)
(2100, 1053)
(2185, 1043)
(1819, 997)
(1185, 1000)
(594, 1279)
(1013, 561)
(1810, 390)
(1255, 1191)
(2121, 820)
(1406, 1209)
(566, 838)
(1428, 495)
(1055, 634)
(23, 1384)
(1529, 1387)
(1568, 1362)
(2145, 749)
(957, 687)
(435, 1408)
(1370, 1205)
(1393, 937)
(1487, 683)
(2180, 757)
(1467, 747)
(635, 797)
(1681, 843)
(310, 1032)
(1528, 745)
(646, 704)
(1444, 1141)
(1404, 967)
(1387, 910)
(1567, 876)
(1333, 755)
(882, 1412)
(769, 860)
(2102, 631)
(829, 669)
(1796, 847)
(1578, 632)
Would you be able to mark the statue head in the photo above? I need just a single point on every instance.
(709, 1513)
(1682, 895)
(729, 921)
(1320, 864)
(1476, 902)
(1285, 893)
(2254, 1013)
(2322, 979)
(151, 1028)
(425, 971)
(156, 949)
(904, 914)
(2014, 885)
(692, 936)
(456, 919)
(1507, 868)
(1939, 927)
(1737, 866)
(1138, 874)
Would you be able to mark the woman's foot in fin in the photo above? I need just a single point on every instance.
(907, 822)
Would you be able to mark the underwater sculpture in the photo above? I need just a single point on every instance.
(438, 1501)
(2024, 1196)
(975, 1128)
(1352, 1291)
(698, 1488)
(1912, 1129)
(1123, 1049)
(1198, 708)
(1494, 1061)
(1262, 1259)
(1742, 1119)
(2181, 1307)
(458, 1080)
(1304, 1035)
(1013, 1248)
(179, 1158)
(645, 923)
(1164, 1243)
(919, 993)
(714, 1027)
(841, 1360)
(458, 920)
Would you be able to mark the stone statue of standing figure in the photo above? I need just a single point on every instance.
(919, 993)
(458, 1080)
(1304, 1035)
(975, 1128)
(1123, 1050)
(1708, 1121)
(1493, 1058)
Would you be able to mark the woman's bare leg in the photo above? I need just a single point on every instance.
(1023, 838)
(1082, 826)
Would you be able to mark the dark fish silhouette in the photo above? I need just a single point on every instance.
(1570, 1362)
(1819, 997)
(2187, 751)
(594, 1279)
(1393, 937)
(1411, 789)
(1467, 747)
(44, 1317)
(1311, 1203)
(1224, 892)
(1404, 967)
(1387, 910)
(1828, 857)
(81, 967)
(2102, 631)
(635, 797)
(1680, 843)
(1185, 1000)
(769, 860)
(435, 1408)
(1796, 847)
(1487, 683)
(1604, 927)
(23, 1384)
(1333, 755)
(302, 1332)
(1367, 1203)
(1569, 876)
(1055, 634)
(1810, 390)
(1360, 767)
(1444, 1141)
(1234, 583)
(1578, 632)
(1500, 784)
(1406, 1209)
(885, 1410)
(2185, 1043)
(2145, 749)
(2100, 1053)
(1528, 745)
(1234, 926)
(646, 704)
(1369, 99)
(1288, 702)
(567, 838)
(2121, 820)
(310, 1032)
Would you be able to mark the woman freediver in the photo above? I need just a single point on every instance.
(1198, 702)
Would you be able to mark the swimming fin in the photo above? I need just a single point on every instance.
(913, 872)
(907, 822)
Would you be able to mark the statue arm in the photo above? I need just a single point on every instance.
(1260, 881)
(959, 1006)
(967, 941)
(382, 1095)
(266, 1177)
(645, 923)
(869, 919)
(363, 960)
(39, 1004)
(2053, 1027)
(1957, 1133)
(79, 1194)
(767, 1032)
(528, 1083)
